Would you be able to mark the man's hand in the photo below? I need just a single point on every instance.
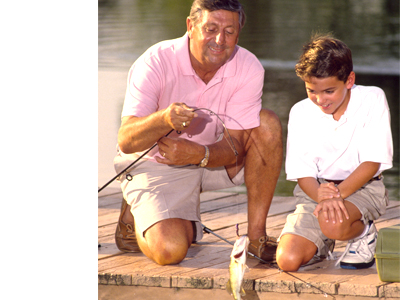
(179, 115)
(177, 151)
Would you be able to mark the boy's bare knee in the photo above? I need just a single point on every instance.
(338, 231)
(289, 257)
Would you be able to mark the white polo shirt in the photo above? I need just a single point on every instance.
(319, 146)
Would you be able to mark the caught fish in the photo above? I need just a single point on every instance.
(237, 267)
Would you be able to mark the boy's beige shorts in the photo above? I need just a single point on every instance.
(371, 200)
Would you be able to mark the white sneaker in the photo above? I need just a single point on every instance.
(359, 253)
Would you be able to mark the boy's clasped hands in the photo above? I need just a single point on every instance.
(330, 203)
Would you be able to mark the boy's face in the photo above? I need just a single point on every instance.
(330, 94)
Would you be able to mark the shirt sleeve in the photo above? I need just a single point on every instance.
(300, 160)
(143, 88)
(376, 143)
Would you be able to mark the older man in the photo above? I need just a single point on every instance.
(175, 85)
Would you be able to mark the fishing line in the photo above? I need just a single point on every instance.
(231, 144)
(325, 294)
(129, 176)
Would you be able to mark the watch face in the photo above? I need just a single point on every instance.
(204, 161)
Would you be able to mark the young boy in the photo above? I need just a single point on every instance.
(339, 143)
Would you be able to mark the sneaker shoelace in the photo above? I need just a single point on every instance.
(330, 256)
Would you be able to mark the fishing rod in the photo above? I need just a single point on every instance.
(208, 230)
(129, 177)
(128, 167)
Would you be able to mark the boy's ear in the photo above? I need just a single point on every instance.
(351, 80)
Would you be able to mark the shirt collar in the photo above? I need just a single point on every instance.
(351, 109)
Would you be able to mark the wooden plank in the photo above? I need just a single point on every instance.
(215, 195)
(108, 248)
(105, 201)
(113, 210)
(110, 264)
(108, 191)
(221, 203)
(107, 230)
(109, 218)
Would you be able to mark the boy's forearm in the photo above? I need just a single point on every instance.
(358, 178)
(310, 186)
(355, 181)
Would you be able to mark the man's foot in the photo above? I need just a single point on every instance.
(359, 253)
(125, 236)
(264, 248)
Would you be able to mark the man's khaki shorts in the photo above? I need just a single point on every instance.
(371, 200)
(157, 192)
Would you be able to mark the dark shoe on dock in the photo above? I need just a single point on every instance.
(125, 236)
(264, 248)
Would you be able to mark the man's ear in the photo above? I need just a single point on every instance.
(189, 27)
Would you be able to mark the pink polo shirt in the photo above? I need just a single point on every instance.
(164, 74)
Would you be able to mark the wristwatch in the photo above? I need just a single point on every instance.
(204, 161)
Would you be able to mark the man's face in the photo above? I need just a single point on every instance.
(330, 94)
(213, 39)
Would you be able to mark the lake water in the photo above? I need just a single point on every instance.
(275, 31)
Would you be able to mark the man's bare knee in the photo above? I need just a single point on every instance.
(167, 241)
(169, 254)
(270, 122)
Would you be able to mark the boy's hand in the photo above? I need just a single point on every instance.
(327, 191)
(332, 209)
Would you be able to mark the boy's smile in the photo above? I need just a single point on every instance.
(330, 94)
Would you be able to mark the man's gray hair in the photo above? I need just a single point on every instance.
(211, 5)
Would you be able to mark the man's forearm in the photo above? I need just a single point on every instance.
(138, 134)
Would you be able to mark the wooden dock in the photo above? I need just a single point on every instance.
(206, 264)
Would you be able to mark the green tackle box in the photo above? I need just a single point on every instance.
(387, 254)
